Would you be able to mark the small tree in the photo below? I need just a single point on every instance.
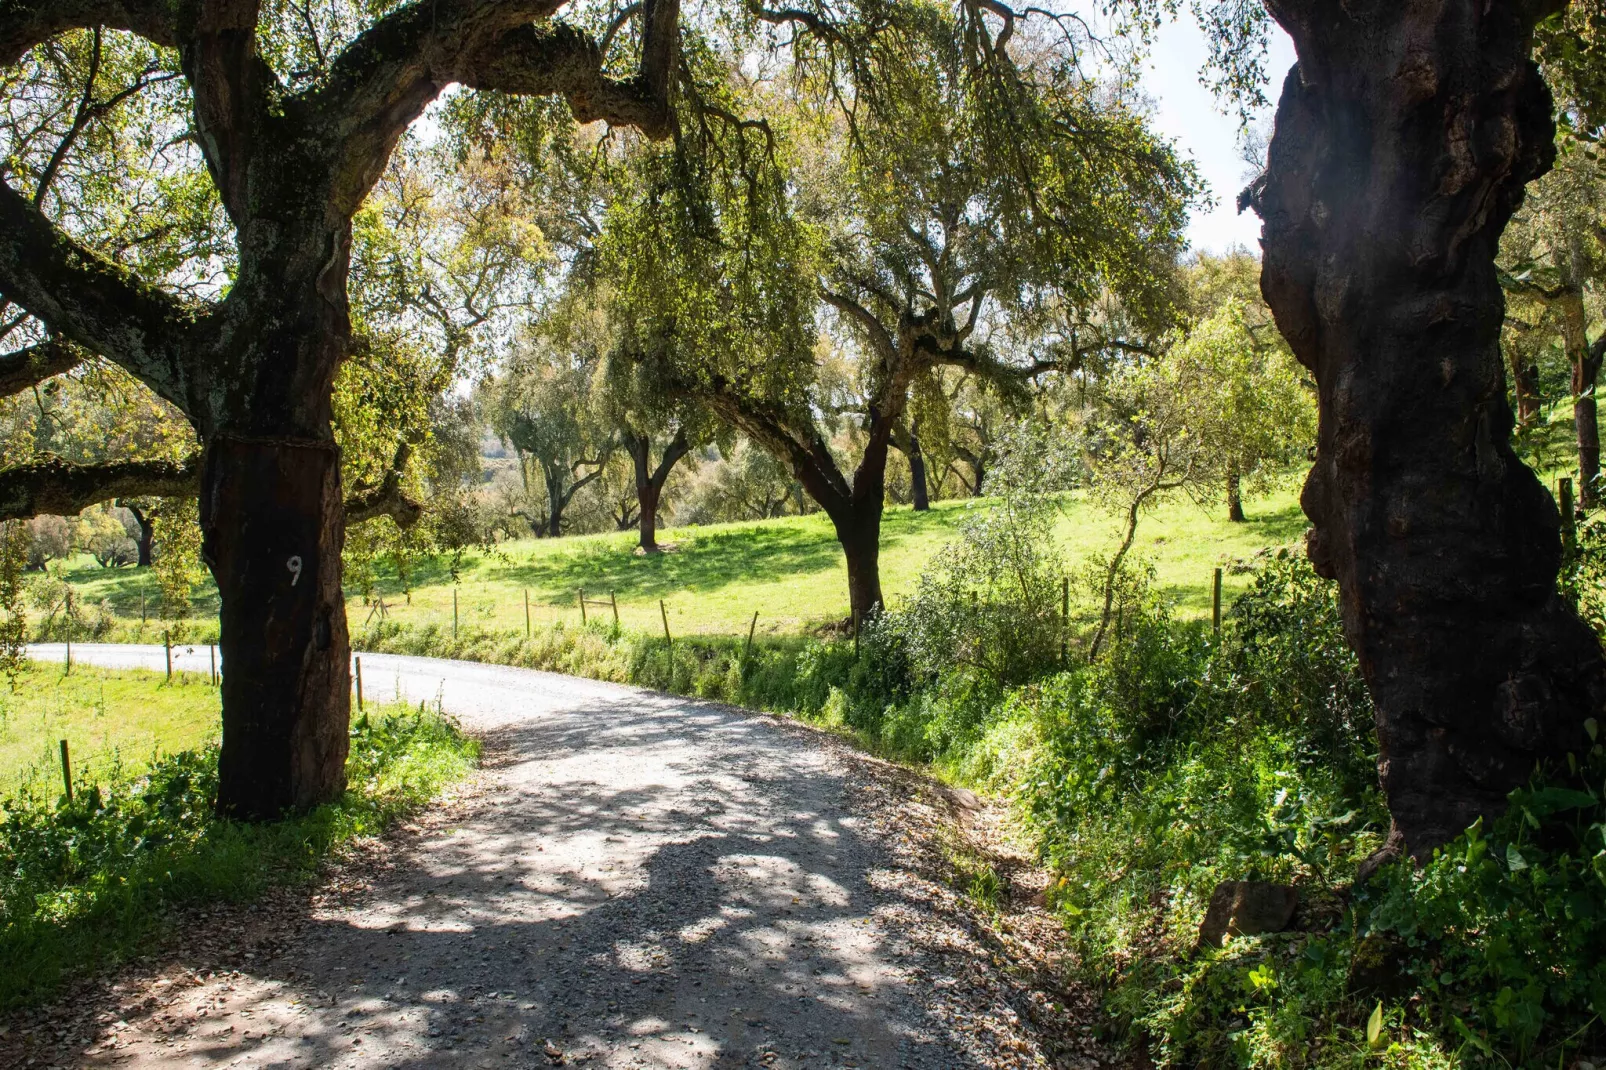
(989, 603)
(1247, 401)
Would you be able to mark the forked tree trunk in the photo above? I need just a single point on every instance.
(1403, 141)
(272, 519)
(650, 481)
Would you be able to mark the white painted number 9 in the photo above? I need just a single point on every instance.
(294, 565)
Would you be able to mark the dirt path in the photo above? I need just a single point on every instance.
(634, 880)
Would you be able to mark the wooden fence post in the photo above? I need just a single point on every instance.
(1215, 603)
(614, 598)
(581, 591)
(748, 652)
(527, 632)
(454, 612)
(212, 649)
(142, 608)
(66, 770)
(668, 642)
(167, 647)
(359, 684)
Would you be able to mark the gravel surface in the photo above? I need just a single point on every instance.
(633, 880)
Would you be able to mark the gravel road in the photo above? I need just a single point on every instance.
(635, 880)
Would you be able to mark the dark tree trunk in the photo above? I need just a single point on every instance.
(272, 521)
(860, 535)
(1235, 497)
(1525, 384)
(647, 519)
(650, 481)
(1585, 364)
(556, 499)
(147, 535)
(1404, 139)
(917, 475)
(1586, 424)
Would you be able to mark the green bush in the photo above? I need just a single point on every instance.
(87, 882)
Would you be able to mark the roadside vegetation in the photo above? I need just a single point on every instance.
(91, 882)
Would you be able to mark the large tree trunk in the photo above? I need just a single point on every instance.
(555, 501)
(647, 496)
(917, 474)
(1404, 139)
(273, 523)
(859, 532)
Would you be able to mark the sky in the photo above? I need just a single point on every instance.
(1189, 114)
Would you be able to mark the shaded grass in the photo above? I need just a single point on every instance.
(789, 570)
(88, 884)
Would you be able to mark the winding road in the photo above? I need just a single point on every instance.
(634, 880)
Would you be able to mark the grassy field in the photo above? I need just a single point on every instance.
(110, 718)
(790, 570)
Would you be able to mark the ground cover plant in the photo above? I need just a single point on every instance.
(89, 882)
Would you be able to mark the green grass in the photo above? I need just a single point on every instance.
(112, 719)
(92, 882)
(789, 570)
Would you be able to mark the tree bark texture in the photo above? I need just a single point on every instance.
(272, 525)
(1404, 138)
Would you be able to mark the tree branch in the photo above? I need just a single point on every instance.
(63, 488)
(389, 74)
(880, 337)
(82, 297)
(26, 23)
(28, 367)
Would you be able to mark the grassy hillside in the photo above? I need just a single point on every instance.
(789, 570)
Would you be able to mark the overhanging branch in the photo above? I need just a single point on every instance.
(26, 23)
(29, 367)
(63, 488)
(84, 298)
